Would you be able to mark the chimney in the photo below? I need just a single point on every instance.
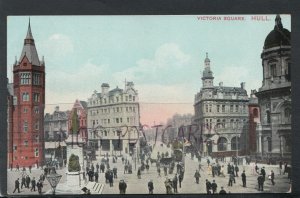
(221, 84)
(243, 85)
(104, 88)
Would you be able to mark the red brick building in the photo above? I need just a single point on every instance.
(26, 108)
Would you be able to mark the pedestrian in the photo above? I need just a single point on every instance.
(175, 181)
(23, 183)
(150, 186)
(33, 183)
(97, 167)
(244, 179)
(208, 186)
(165, 170)
(222, 191)
(263, 172)
(231, 179)
(96, 176)
(158, 171)
(214, 187)
(17, 167)
(30, 168)
(102, 167)
(197, 176)
(260, 180)
(147, 167)
(17, 186)
(39, 186)
(213, 170)
(280, 167)
(110, 178)
(256, 168)
(125, 168)
(285, 168)
(222, 171)
(115, 171)
(27, 181)
(236, 169)
(272, 177)
(168, 185)
(208, 162)
(228, 168)
(139, 173)
(123, 160)
(122, 186)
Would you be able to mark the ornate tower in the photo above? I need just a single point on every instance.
(207, 77)
(27, 133)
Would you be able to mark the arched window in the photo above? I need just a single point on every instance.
(287, 113)
(222, 144)
(231, 123)
(255, 112)
(235, 143)
(223, 123)
(218, 123)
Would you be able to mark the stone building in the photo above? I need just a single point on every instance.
(56, 131)
(254, 121)
(274, 96)
(26, 111)
(114, 119)
(222, 114)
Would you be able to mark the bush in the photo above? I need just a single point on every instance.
(74, 165)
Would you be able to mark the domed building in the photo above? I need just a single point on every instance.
(274, 96)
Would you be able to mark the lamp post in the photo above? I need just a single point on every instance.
(53, 178)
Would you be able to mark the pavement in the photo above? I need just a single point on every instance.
(189, 185)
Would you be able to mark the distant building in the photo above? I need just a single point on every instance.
(274, 96)
(222, 114)
(114, 119)
(254, 121)
(26, 110)
(56, 131)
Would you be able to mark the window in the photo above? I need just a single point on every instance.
(25, 78)
(235, 143)
(236, 108)
(133, 98)
(210, 108)
(25, 110)
(231, 123)
(25, 126)
(130, 97)
(287, 114)
(231, 108)
(36, 126)
(117, 120)
(218, 123)
(127, 120)
(223, 123)
(36, 79)
(36, 152)
(273, 70)
(218, 108)
(36, 138)
(223, 108)
(25, 96)
(15, 148)
(269, 140)
(120, 120)
(206, 108)
(26, 143)
(288, 72)
(126, 109)
(268, 117)
(36, 97)
(117, 99)
(222, 144)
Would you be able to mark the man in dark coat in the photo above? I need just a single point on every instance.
(111, 178)
(222, 191)
(122, 186)
(236, 169)
(231, 179)
(27, 181)
(180, 178)
(272, 177)
(228, 169)
(33, 183)
(175, 181)
(150, 186)
(97, 167)
(208, 186)
(260, 181)
(102, 167)
(96, 176)
(197, 176)
(244, 179)
(263, 173)
(139, 173)
(214, 187)
(115, 171)
(23, 183)
(39, 186)
(17, 186)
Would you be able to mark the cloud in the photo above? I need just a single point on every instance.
(75, 83)
(58, 45)
(167, 59)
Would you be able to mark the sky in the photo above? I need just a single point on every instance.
(162, 55)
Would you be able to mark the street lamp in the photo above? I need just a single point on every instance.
(53, 178)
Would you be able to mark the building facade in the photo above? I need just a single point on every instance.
(274, 96)
(56, 131)
(26, 130)
(114, 119)
(222, 114)
(79, 110)
(254, 121)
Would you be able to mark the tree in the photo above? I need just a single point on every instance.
(74, 165)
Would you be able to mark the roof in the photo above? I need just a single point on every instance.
(84, 104)
(230, 89)
(29, 49)
(278, 36)
(117, 89)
